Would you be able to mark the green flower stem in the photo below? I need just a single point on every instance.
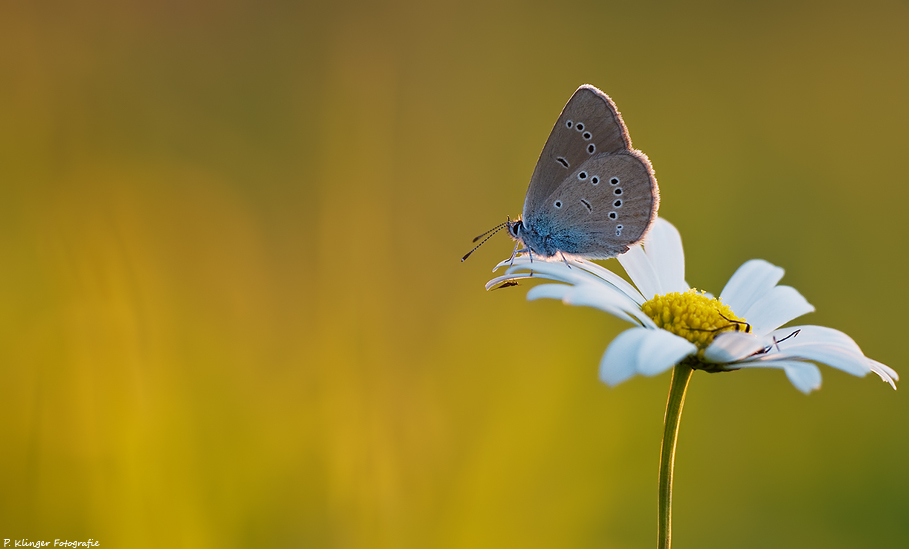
(681, 374)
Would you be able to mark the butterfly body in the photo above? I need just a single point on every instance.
(591, 195)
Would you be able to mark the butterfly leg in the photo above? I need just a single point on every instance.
(565, 260)
(513, 254)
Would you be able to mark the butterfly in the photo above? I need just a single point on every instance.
(591, 194)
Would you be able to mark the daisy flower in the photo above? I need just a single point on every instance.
(676, 324)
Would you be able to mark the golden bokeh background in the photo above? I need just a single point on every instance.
(232, 312)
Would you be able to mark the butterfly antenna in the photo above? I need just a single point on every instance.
(492, 230)
(488, 234)
(738, 324)
(777, 342)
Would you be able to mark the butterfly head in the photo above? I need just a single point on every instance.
(515, 228)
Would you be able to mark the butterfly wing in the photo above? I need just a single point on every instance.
(600, 209)
(589, 125)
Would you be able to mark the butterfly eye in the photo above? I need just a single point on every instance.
(595, 180)
(617, 191)
(582, 175)
(514, 228)
(617, 203)
(614, 181)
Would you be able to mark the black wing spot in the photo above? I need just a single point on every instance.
(562, 161)
(591, 148)
(595, 180)
(568, 123)
(614, 181)
(617, 203)
(579, 126)
(582, 175)
(617, 191)
(613, 215)
(587, 136)
(587, 204)
(558, 204)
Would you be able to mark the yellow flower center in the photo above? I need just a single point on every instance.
(694, 316)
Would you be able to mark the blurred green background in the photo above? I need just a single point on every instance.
(232, 312)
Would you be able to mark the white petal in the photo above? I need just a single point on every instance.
(640, 269)
(663, 246)
(511, 277)
(610, 300)
(732, 346)
(885, 372)
(619, 362)
(749, 284)
(574, 272)
(556, 270)
(516, 260)
(642, 351)
(550, 291)
(610, 277)
(662, 350)
(814, 335)
(805, 376)
(523, 268)
(836, 357)
(501, 264)
(778, 306)
(820, 344)
(600, 296)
